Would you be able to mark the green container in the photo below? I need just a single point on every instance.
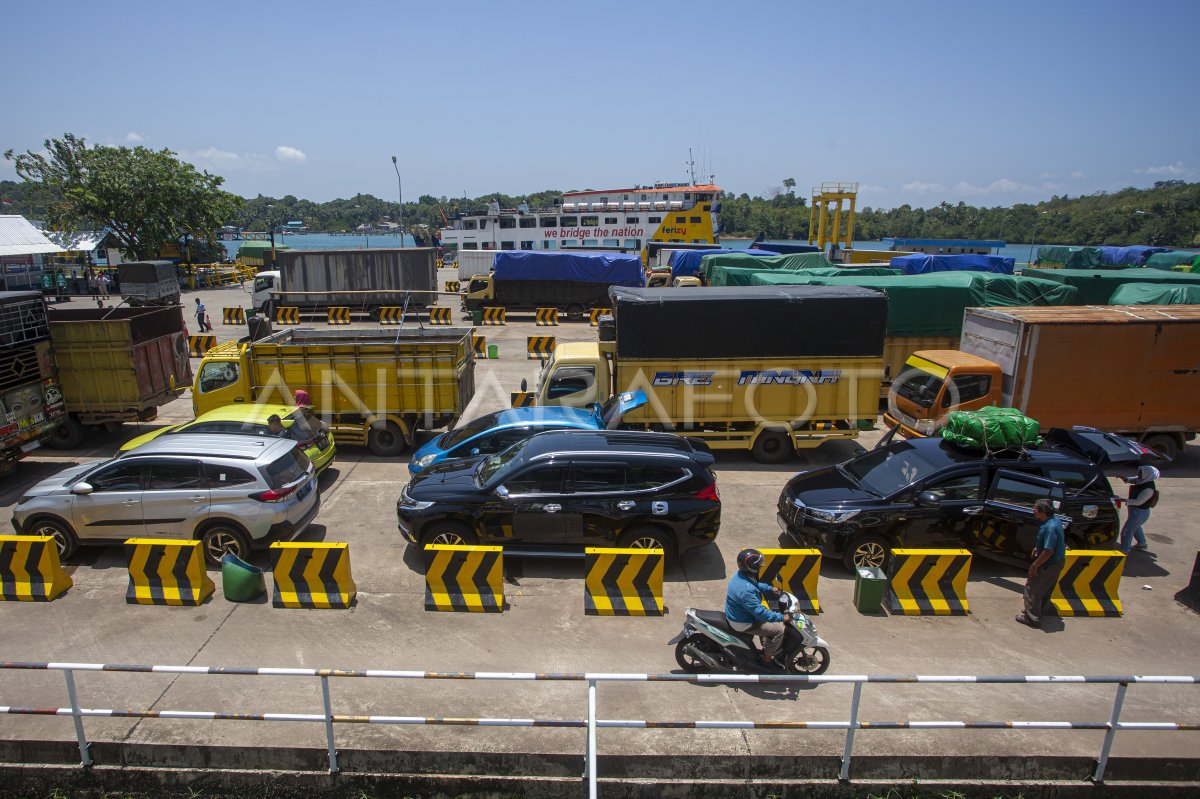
(477, 317)
(869, 585)
(493, 350)
(241, 582)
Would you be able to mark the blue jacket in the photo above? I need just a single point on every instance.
(743, 600)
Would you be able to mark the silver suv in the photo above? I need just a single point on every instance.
(235, 493)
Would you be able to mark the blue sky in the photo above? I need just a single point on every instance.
(920, 102)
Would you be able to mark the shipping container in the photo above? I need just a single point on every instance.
(362, 280)
(474, 262)
(149, 283)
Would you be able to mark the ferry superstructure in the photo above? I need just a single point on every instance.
(610, 219)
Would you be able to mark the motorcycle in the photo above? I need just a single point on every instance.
(708, 644)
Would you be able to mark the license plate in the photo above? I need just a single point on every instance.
(303, 492)
(30, 446)
(782, 523)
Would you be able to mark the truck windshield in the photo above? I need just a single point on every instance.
(918, 386)
(886, 471)
(488, 468)
(263, 283)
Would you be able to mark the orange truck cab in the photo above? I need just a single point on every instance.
(935, 382)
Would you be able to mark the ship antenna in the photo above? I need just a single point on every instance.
(691, 164)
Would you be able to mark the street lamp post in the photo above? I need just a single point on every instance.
(1033, 243)
(400, 194)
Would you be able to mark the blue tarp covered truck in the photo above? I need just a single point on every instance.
(572, 282)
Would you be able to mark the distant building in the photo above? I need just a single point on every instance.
(23, 254)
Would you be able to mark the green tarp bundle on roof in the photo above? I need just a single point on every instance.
(932, 304)
(803, 260)
(1170, 260)
(1155, 294)
(1096, 286)
(1070, 257)
(261, 245)
(742, 276)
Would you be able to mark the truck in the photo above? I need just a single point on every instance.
(573, 282)
(362, 280)
(116, 365)
(149, 283)
(31, 401)
(376, 388)
(770, 370)
(1131, 370)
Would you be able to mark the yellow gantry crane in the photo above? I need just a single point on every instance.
(825, 197)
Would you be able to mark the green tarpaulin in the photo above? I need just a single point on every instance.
(1155, 294)
(803, 260)
(1070, 257)
(1096, 287)
(991, 428)
(742, 276)
(1171, 260)
(932, 304)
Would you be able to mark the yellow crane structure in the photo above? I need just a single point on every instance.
(825, 197)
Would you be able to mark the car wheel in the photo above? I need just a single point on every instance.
(221, 539)
(385, 439)
(645, 537)
(1163, 444)
(450, 534)
(68, 434)
(772, 446)
(868, 550)
(813, 660)
(64, 536)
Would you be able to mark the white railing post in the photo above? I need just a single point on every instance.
(844, 774)
(84, 756)
(333, 766)
(591, 740)
(1111, 733)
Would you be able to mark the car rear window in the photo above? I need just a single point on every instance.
(301, 428)
(286, 469)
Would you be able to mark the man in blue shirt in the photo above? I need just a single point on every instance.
(1049, 554)
(744, 608)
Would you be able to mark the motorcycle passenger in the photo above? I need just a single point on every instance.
(744, 609)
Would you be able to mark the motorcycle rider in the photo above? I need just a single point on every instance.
(745, 611)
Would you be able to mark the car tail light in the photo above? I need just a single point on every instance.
(709, 492)
(276, 494)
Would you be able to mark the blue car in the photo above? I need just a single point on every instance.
(498, 431)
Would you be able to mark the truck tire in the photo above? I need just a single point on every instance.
(575, 312)
(68, 435)
(385, 439)
(772, 446)
(1164, 444)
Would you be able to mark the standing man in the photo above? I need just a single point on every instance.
(202, 317)
(1143, 495)
(1049, 554)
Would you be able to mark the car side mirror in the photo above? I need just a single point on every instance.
(81, 489)
(475, 451)
(928, 498)
(502, 492)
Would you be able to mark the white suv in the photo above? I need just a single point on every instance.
(235, 493)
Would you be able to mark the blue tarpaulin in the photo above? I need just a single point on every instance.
(924, 264)
(686, 263)
(615, 269)
(1135, 255)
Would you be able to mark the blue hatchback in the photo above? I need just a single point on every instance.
(498, 431)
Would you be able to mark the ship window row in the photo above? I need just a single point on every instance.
(567, 221)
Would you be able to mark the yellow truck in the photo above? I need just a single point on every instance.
(770, 370)
(373, 388)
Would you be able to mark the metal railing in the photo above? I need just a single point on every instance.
(851, 725)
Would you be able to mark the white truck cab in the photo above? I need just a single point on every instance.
(265, 284)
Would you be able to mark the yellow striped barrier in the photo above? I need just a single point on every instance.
(198, 345)
(453, 286)
(1090, 584)
(30, 570)
(440, 316)
(391, 315)
(464, 578)
(338, 315)
(546, 317)
(287, 315)
(166, 572)
(479, 345)
(623, 582)
(233, 316)
(929, 582)
(539, 347)
(494, 316)
(597, 313)
(795, 571)
(313, 575)
(521, 399)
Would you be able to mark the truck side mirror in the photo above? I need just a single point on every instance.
(524, 384)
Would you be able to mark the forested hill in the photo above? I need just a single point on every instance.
(1167, 215)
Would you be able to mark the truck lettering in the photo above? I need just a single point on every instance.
(788, 377)
(682, 379)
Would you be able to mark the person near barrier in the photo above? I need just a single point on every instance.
(202, 317)
(1049, 554)
(1143, 495)
(744, 608)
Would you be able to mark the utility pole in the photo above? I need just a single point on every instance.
(400, 194)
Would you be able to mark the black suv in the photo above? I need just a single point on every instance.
(929, 493)
(595, 488)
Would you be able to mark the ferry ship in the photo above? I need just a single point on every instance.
(625, 220)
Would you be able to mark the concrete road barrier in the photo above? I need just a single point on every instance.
(1090, 583)
(479, 345)
(311, 575)
(494, 316)
(546, 317)
(233, 316)
(539, 347)
(391, 315)
(166, 572)
(440, 316)
(795, 571)
(521, 399)
(623, 582)
(198, 345)
(929, 582)
(30, 570)
(597, 313)
(338, 315)
(453, 286)
(468, 579)
(287, 315)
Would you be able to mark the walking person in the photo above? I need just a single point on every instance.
(1049, 554)
(1143, 495)
(202, 317)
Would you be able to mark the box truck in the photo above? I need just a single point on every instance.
(362, 280)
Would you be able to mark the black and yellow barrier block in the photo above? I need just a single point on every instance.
(1090, 583)
(198, 345)
(597, 313)
(521, 399)
(540, 347)
(479, 345)
(546, 317)
(929, 582)
(287, 315)
(30, 570)
(1190, 594)
(166, 572)
(494, 316)
(453, 286)
(440, 316)
(391, 315)
(311, 575)
(338, 315)
(467, 579)
(795, 571)
(623, 582)
(233, 316)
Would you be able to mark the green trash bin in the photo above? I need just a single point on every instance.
(869, 585)
(241, 582)
(493, 352)
(477, 317)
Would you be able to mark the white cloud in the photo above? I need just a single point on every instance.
(218, 160)
(285, 153)
(1047, 176)
(133, 137)
(921, 187)
(1176, 168)
(1078, 173)
(869, 188)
